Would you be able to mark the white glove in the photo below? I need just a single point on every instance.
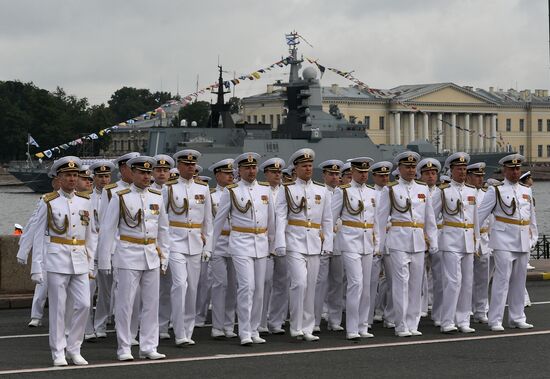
(105, 272)
(432, 250)
(164, 267)
(37, 278)
(92, 274)
(206, 256)
(280, 251)
(21, 261)
(326, 252)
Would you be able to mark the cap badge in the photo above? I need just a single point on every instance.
(230, 165)
(277, 165)
(514, 161)
(71, 164)
(461, 158)
(429, 164)
(364, 164)
(103, 168)
(335, 167)
(189, 157)
(146, 165)
(162, 161)
(250, 158)
(410, 158)
(384, 168)
(306, 155)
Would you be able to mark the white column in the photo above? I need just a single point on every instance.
(493, 133)
(466, 132)
(480, 133)
(411, 127)
(426, 132)
(397, 126)
(439, 135)
(453, 132)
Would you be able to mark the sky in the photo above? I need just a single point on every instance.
(92, 48)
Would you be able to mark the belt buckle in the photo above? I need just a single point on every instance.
(73, 241)
(256, 230)
(365, 226)
(414, 224)
(309, 224)
(523, 222)
(146, 241)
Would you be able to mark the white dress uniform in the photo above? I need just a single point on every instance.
(408, 206)
(65, 234)
(142, 246)
(512, 235)
(304, 230)
(329, 288)
(356, 204)
(189, 208)
(457, 244)
(250, 208)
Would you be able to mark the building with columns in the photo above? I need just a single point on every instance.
(452, 117)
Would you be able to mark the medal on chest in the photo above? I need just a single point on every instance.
(84, 217)
(317, 199)
(199, 199)
(155, 209)
(265, 199)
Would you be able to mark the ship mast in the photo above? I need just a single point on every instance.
(293, 40)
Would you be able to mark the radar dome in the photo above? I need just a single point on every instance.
(309, 73)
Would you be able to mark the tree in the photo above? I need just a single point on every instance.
(129, 102)
(235, 103)
(198, 111)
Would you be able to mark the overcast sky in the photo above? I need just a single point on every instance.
(92, 48)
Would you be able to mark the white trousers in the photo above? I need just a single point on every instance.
(165, 305)
(425, 295)
(39, 297)
(458, 272)
(186, 270)
(389, 308)
(268, 287)
(437, 285)
(203, 293)
(250, 273)
(278, 301)
(60, 287)
(128, 283)
(358, 272)
(224, 293)
(407, 269)
(105, 300)
(303, 270)
(377, 297)
(480, 289)
(90, 322)
(508, 282)
(330, 288)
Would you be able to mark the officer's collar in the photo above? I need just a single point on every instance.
(378, 188)
(275, 188)
(186, 181)
(456, 184)
(68, 195)
(330, 188)
(355, 184)
(98, 190)
(403, 181)
(219, 188)
(248, 184)
(301, 181)
(137, 189)
(156, 185)
(123, 183)
(507, 182)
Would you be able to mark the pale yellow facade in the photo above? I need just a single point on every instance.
(496, 120)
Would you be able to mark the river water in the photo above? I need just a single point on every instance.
(18, 203)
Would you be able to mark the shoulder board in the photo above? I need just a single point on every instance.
(110, 186)
(391, 184)
(85, 195)
(420, 182)
(123, 192)
(444, 185)
(234, 185)
(201, 182)
(318, 183)
(521, 184)
(155, 191)
(263, 183)
(212, 190)
(470, 186)
(345, 185)
(497, 185)
(171, 182)
(50, 196)
(289, 183)
(484, 189)
(370, 186)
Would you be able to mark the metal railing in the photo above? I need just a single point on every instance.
(542, 249)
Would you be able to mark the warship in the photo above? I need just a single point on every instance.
(305, 124)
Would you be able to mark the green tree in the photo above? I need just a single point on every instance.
(129, 102)
(235, 104)
(198, 111)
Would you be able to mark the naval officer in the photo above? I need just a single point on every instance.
(137, 215)
(275, 307)
(457, 244)
(66, 238)
(355, 204)
(407, 204)
(512, 235)
(224, 282)
(304, 232)
(189, 209)
(329, 288)
(249, 205)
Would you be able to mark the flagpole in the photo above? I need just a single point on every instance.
(28, 148)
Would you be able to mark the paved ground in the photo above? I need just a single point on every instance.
(24, 352)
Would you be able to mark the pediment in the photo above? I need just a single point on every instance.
(450, 95)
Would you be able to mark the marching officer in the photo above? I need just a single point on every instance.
(85, 180)
(480, 288)
(174, 173)
(457, 244)
(408, 206)
(106, 288)
(356, 203)
(304, 232)
(288, 174)
(138, 215)
(224, 282)
(101, 171)
(346, 173)
(380, 286)
(65, 242)
(275, 308)
(189, 208)
(249, 205)
(161, 174)
(512, 235)
(329, 288)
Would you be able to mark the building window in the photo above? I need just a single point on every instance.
(248, 118)
(271, 120)
(366, 122)
(496, 123)
(539, 152)
(548, 125)
(521, 149)
(508, 124)
(272, 147)
(548, 150)
(263, 119)
(521, 125)
(278, 120)
(255, 119)
(540, 124)
(381, 122)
